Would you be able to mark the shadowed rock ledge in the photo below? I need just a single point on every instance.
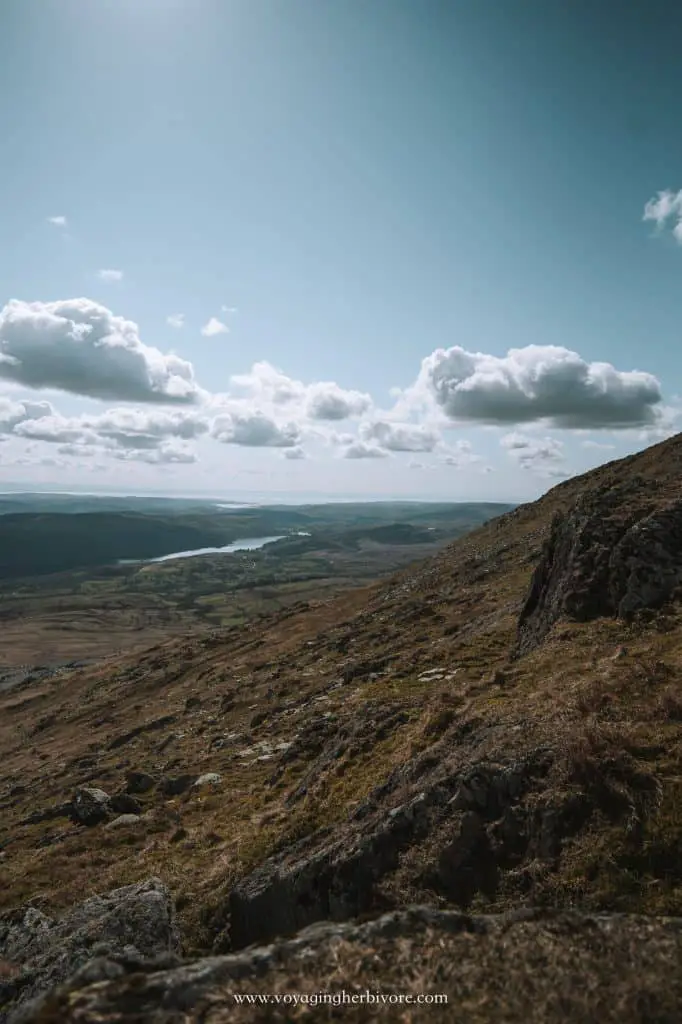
(528, 965)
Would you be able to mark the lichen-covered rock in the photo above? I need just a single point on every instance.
(136, 920)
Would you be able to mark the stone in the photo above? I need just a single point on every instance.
(208, 779)
(124, 803)
(122, 820)
(139, 782)
(135, 920)
(176, 785)
(90, 806)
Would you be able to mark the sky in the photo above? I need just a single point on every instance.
(406, 248)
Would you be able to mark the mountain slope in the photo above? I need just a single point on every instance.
(473, 733)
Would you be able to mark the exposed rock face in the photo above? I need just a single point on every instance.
(601, 560)
(137, 920)
(476, 823)
(525, 966)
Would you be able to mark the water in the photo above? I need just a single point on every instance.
(247, 544)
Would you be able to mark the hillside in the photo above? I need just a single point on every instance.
(497, 728)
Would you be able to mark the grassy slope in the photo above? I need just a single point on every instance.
(433, 644)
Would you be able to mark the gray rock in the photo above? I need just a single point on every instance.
(124, 819)
(523, 966)
(208, 779)
(90, 806)
(134, 920)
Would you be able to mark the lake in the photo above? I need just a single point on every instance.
(247, 544)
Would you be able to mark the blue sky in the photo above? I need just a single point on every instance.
(367, 197)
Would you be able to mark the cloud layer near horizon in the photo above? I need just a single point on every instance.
(82, 348)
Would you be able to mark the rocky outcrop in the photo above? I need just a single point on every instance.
(135, 921)
(602, 560)
(525, 966)
(474, 821)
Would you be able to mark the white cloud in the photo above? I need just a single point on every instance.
(118, 428)
(254, 430)
(363, 450)
(79, 346)
(294, 453)
(327, 401)
(59, 221)
(176, 320)
(213, 327)
(12, 414)
(320, 401)
(229, 309)
(399, 437)
(665, 208)
(538, 383)
(110, 275)
(539, 454)
(268, 384)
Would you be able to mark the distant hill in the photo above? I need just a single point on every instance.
(40, 543)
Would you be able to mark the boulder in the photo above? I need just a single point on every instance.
(90, 806)
(139, 782)
(124, 803)
(136, 920)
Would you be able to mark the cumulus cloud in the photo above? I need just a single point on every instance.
(176, 320)
(322, 401)
(59, 221)
(110, 275)
(213, 327)
(254, 430)
(294, 453)
(130, 429)
(399, 437)
(363, 450)
(12, 414)
(535, 384)
(327, 401)
(231, 310)
(267, 384)
(79, 346)
(539, 454)
(665, 209)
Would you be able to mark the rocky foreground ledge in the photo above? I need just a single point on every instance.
(117, 958)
